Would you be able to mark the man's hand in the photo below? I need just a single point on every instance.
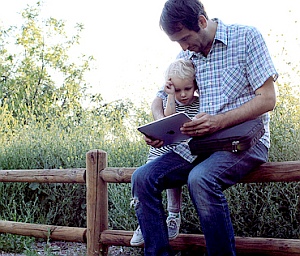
(201, 124)
(153, 143)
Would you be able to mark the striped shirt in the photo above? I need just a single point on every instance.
(191, 110)
(238, 64)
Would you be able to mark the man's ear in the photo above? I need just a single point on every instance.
(202, 22)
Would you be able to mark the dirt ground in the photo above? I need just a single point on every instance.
(69, 249)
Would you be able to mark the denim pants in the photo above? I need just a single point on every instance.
(207, 178)
(174, 197)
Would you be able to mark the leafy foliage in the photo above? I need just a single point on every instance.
(28, 90)
(285, 125)
(44, 125)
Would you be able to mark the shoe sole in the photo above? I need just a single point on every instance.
(172, 238)
(137, 244)
(142, 242)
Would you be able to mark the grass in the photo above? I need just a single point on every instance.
(269, 210)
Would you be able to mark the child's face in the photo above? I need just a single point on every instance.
(184, 90)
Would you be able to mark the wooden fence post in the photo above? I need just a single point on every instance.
(97, 202)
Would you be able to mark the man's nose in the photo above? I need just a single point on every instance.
(184, 46)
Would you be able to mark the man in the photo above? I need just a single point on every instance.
(235, 76)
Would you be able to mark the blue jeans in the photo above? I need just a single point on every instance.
(207, 178)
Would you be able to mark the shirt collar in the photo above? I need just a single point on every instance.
(221, 33)
(220, 36)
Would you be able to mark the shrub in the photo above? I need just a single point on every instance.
(270, 210)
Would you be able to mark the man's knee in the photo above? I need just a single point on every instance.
(201, 181)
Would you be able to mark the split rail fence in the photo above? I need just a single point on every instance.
(98, 237)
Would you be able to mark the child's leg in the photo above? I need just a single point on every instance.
(174, 200)
(174, 206)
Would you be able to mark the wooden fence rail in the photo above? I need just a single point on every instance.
(44, 176)
(62, 233)
(98, 237)
(74, 234)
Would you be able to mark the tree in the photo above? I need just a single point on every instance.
(39, 81)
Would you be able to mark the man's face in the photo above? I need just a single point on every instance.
(192, 41)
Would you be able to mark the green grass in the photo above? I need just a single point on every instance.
(269, 210)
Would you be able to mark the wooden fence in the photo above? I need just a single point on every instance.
(98, 237)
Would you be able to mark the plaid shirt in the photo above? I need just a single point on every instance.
(238, 64)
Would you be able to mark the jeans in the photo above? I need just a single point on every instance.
(174, 197)
(207, 178)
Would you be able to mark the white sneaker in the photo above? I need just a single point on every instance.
(173, 224)
(137, 238)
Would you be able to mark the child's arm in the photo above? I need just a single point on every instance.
(170, 106)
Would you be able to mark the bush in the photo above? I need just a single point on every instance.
(60, 144)
(270, 210)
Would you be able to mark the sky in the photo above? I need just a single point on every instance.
(132, 52)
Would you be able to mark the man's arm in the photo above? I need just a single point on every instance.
(157, 108)
(263, 102)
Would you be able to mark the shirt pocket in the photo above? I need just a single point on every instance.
(234, 82)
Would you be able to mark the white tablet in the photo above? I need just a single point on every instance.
(166, 129)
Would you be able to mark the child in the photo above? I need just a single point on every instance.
(180, 87)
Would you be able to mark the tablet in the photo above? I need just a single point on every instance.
(166, 129)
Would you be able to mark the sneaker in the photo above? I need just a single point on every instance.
(137, 238)
(173, 224)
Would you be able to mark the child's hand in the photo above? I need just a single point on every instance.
(152, 142)
(169, 87)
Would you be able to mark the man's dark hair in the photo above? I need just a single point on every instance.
(177, 14)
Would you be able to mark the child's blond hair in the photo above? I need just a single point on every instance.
(180, 68)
